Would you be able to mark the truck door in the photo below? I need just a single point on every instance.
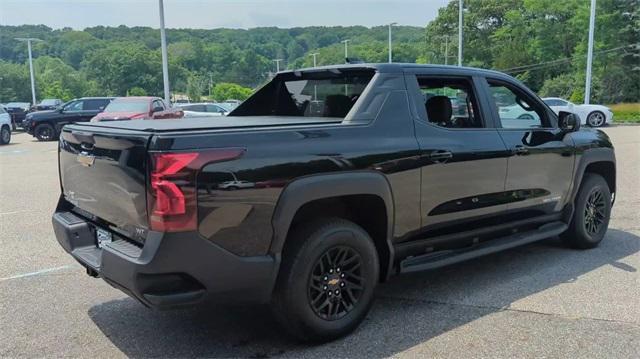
(463, 158)
(541, 157)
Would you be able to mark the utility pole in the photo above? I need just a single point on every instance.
(277, 61)
(592, 21)
(346, 49)
(446, 50)
(33, 81)
(210, 84)
(460, 9)
(390, 54)
(446, 47)
(315, 54)
(165, 61)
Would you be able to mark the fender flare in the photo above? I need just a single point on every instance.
(310, 188)
(588, 157)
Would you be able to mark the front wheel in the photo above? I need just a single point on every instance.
(45, 132)
(591, 214)
(328, 275)
(5, 135)
(596, 119)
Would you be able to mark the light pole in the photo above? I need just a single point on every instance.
(315, 54)
(460, 8)
(346, 49)
(277, 61)
(390, 54)
(165, 61)
(33, 81)
(446, 48)
(587, 85)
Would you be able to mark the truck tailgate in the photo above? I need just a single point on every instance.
(103, 175)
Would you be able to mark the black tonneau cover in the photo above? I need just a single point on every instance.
(212, 123)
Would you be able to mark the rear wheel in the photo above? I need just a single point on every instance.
(5, 135)
(328, 274)
(596, 119)
(45, 132)
(591, 215)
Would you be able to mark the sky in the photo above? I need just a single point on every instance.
(208, 14)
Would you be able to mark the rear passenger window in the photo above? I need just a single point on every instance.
(515, 109)
(95, 105)
(450, 102)
(330, 93)
(74, 106)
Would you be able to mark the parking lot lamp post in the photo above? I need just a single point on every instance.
(460, 8)
(346, 49)
(277, 61)
(33, 81)
(587, 85)
(315, 54)
(165, 61)
(390, 54)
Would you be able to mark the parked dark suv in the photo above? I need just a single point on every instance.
(46, 125)
(308, 209)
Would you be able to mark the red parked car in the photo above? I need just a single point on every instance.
(138, 108)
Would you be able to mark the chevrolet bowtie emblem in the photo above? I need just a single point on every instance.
(333, 281)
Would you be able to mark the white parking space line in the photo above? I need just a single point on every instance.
(40, 272)
(14, 212)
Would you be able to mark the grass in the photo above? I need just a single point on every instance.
(626, 112)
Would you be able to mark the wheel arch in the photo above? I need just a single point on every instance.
(600, 161)
(346, 195)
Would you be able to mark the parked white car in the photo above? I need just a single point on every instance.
(5, 126)
(592, 115)
(202, 109)
(233, 185)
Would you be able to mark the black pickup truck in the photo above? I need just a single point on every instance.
(325, 182)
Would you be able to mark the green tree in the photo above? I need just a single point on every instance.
(230, 91)
(136, 91)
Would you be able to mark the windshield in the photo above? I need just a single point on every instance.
(128, 106)
(48, 102)
(329, 93)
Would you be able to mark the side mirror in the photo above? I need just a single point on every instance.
(568, 121)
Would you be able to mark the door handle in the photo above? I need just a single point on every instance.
(520, 150)
(440, 155)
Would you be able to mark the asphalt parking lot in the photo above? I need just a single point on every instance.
(542, 300)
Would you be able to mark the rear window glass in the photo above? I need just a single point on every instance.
(329, 94)
(128, 106)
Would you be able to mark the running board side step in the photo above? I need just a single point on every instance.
(447, 257)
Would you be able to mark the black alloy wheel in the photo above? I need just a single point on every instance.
(327, 278)
(45, 132)
(594, 212)
(591, 215)
(336, 284)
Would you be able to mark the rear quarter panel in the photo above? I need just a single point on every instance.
(240, 219)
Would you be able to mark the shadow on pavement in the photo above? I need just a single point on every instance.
(409, 310)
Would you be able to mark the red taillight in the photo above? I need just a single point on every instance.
(172, 197)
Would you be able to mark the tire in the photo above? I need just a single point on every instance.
(525, 116)
(309, 271)
(45, 132)
(591, 215)
(5, 135)
(596, 119)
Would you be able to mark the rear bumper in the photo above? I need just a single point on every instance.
(171, 269)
